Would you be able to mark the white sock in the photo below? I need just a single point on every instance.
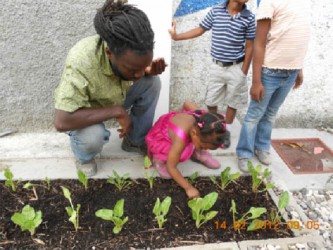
(229, 126)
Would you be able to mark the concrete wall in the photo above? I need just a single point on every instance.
(36, 36)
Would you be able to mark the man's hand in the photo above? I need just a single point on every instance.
(257, 92)
(156, 67)
(125, 124)
(299, 80)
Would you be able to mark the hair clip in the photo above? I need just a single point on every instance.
(222, 146)
(201, 124)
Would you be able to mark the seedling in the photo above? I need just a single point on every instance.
(32, 185)
(48, 183)
(161, 210)
(282, 204)
(72, 212)
(226, 178)
(150, 176)
(83, 179)
(9, 180)
(250, 217)
(191, 179)
(121, 182)
(257, 178)
(114, 216)
(146, 162)
(200, 205)
(28, 219)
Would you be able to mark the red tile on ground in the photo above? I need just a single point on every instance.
(305, 155)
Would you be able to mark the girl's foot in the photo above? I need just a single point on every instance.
(161, 168)
(205, 158)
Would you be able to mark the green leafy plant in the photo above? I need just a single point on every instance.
(250, 217)
(200, 205)
(150, 176)
(9, 180)
(83, 178)
(258, 177)
(28, 219)
(225, 178)
(191, 179)
(48, 183)
(146, 162)
(282, 204)
(161, 209)
(72, 212)
(114, 216)
(121, 182)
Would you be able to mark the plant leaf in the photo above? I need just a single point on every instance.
(283, 201)
(118, 209)
(105, 214)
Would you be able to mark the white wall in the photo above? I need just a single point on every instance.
(159, 14)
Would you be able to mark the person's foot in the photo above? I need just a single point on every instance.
(263, 156)
(205, 158)
(128, 146)
(242, 165)
(89, 168)
(161, 168)
(227, 141)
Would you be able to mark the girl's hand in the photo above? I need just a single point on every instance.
(192, 192)
(299, 80)
(172, 30)
(257, 92)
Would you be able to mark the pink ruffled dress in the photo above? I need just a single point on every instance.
(159, 142)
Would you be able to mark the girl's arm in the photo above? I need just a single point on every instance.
(186, 35)
(173, 159)
(248, 56)
(257, 91)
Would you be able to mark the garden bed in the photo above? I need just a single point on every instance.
(141, 230)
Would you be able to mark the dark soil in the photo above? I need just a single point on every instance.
(141, 230)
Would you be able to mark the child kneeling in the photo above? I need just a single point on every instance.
(181, 135)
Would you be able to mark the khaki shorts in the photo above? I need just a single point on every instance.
(227, 85)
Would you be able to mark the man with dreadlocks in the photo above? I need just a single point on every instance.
(109, 75)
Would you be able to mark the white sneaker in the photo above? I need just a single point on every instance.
(242, 165)
(263, 157)
(89, 168)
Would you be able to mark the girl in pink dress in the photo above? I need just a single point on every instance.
(181, 135)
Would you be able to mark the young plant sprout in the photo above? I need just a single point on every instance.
(161, 210)
(150, 176)
(114, 216)
(9, 180)
(28, 219)
(83, 178)
(191, 179)
(282, 204)
(200, 205)
(146, 162)
(121, 182)
(48, 183)
(258, 177)
(72, 212)
(32, 186)
(248, 217)
(226, 178)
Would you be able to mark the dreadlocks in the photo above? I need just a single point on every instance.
(124, 26)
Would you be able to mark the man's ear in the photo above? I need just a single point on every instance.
(108, 52)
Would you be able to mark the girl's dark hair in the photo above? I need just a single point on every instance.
(212, 127)
(123, 27)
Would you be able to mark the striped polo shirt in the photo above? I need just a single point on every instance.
(289, 34)
(229, 32)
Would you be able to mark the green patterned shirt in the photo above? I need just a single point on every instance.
(88, 80)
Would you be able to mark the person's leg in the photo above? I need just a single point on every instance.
(142, 99)
(283, 80)
(86, 143)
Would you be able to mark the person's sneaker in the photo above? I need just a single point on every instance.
(263, 156)
(128, 146)
(242, 165)
(89, 168)
(161, 168)
(205, 158)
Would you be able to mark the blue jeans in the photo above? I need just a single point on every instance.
(141, 100)
(259, 120)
